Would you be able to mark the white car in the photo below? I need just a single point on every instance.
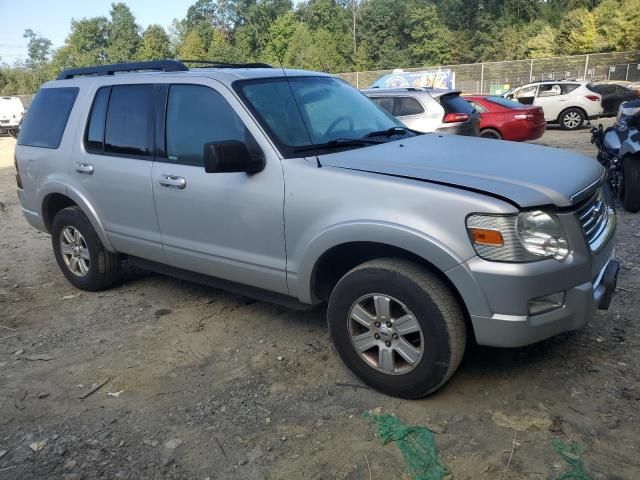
(11, 112)
(568, 103)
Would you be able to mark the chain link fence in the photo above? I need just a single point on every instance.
(492, 77)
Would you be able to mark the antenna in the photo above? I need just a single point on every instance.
(284, 74)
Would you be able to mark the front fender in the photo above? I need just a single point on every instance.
(432, 250)
(81, 200)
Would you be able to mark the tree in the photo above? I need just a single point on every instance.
(38, 48)
(432, 42)
(281, 33)
(193, 47)
(123, 37)
(578, 33)
(86, 44)
(155, 44)
(384, 30)
(220, 49)
(543, 43)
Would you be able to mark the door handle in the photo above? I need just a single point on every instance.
(84, 168)
(172, 181)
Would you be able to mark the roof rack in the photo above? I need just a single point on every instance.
(214, 64)
(156, 65)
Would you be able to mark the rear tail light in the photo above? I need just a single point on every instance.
(593, 98)
(455, 117)
(18, 179)
(524, 116)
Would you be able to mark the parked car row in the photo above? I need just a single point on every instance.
(521, 115)
(446, 111)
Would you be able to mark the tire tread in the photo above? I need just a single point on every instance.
(442, 296)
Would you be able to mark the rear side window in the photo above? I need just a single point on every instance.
(454, 103)
(129, 128)
(569, 87)
(477, 107)
(94, 140)
(385, 102)
(47, 118)
(407, 106)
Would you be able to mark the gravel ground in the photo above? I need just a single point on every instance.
(205, 384)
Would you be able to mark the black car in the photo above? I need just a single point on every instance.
(612, 96)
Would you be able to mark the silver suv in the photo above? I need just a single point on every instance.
(429, 110)
(295, 187)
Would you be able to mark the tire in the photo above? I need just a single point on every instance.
(571, 119)
(491, 133)
(413, 290)
(95, 268)
(13, 133)
(631, 184)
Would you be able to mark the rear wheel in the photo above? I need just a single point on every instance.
(80, 253)
(491, 133)
(397, 326)
(571, 119)
(631, 183)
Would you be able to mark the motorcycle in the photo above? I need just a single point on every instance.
(619, 153)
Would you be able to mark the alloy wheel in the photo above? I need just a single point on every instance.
(572, 119)
(385, 333)
(75, 252)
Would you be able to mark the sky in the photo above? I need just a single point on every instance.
(52, 19)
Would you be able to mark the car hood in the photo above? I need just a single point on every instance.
(523, 174)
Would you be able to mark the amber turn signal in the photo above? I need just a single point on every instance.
(485, 236)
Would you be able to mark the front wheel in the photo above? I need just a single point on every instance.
(80, 253)
(397, 326)
(571, 119)
(631, 184)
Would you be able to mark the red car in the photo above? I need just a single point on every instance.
(507, 120)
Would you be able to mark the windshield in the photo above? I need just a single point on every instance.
(325, 109)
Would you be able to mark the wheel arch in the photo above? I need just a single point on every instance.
(55, 200)
(339, 249)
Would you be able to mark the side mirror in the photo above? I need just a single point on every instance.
(231, 156)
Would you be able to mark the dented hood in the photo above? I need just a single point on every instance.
(524, 174)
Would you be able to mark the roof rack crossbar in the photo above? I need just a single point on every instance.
(215, 64)
(100, 70)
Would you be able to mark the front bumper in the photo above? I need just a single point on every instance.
(581, 302)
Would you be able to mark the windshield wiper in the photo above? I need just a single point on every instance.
(389, 132)
(338, 143)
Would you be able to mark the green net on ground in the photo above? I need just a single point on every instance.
(416, 445)
(572, 454)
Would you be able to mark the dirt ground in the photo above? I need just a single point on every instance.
(204, 384)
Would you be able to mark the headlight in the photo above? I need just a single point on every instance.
(524, 237)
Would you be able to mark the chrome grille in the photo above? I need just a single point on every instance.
(597, 220)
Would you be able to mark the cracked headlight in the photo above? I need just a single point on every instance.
(525, 237)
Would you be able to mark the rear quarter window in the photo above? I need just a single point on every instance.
(406, 106)
(569, 87)
(47, 117)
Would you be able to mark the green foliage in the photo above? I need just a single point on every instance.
(578, 33)
(339, 35)
(432, 42)
(123, 37)
(193, 47)
(155, 44)
(39, 48)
